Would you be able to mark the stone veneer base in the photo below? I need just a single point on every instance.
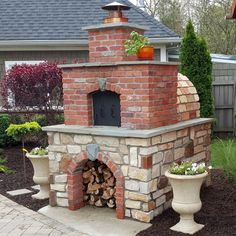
(137, 158)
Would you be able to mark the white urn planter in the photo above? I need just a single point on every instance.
(41, 174)
(186, 200)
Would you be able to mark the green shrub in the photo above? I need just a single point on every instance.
(52, 119)
(3, 168)
(5, 140)
(197, 66)
(1, 152)
(224, 155)
(18, 118)
(21, 131)
(234, 123)
(59, 118)
(41, 120)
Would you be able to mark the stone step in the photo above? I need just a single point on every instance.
(19, 192)
(36, 187)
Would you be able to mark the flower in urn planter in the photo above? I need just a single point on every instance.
(39, 159)
(186, 179)
(188, 168)
(39, 151)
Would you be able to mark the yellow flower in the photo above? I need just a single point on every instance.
(24, 150)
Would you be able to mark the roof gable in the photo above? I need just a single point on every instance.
(64, 19)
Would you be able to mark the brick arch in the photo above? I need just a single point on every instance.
(113, 87)
(75, 182)
(91, 88)
(109, 87)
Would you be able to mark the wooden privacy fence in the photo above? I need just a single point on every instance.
(224, 99)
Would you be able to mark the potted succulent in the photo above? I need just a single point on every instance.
(39, 159)
(139, 45)
(186, 179)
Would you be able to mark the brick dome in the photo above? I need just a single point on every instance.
(188, 106)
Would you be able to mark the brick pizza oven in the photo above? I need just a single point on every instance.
(132, 117)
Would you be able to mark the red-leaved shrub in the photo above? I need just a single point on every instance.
(34, 86)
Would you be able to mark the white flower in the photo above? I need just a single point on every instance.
(209, 167)
(194, 165)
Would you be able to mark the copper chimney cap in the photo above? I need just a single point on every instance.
(115, 12)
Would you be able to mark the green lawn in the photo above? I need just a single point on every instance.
(223, 154)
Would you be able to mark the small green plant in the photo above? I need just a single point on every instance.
(135, 42)
(234, 123)
(188, 168)
(21, 132)
(5, 169)
(224, 156)
(5, 140)
(39, 151)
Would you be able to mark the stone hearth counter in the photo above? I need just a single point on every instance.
(123, 132)
(118, 63)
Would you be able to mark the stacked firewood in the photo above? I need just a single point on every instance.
(99, 184)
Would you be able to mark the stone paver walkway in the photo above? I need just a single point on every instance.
(17, 220)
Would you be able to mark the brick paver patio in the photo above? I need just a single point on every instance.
(17, 220)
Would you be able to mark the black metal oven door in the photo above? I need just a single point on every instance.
(106, 108)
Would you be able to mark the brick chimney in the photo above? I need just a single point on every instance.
(106, 41)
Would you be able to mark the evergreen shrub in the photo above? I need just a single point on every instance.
(5, 140)
(197, 66)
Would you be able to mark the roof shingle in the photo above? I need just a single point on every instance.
(64, 19)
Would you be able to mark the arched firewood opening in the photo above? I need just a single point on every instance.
(99, 185)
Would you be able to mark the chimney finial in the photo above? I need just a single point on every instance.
(115, 12)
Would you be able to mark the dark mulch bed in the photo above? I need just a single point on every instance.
(218, 212)
(17, 181)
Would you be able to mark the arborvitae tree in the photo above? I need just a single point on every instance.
(196, 65)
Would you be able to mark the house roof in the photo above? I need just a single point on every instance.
(232, 14)
(222, 58)
(51, 20)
